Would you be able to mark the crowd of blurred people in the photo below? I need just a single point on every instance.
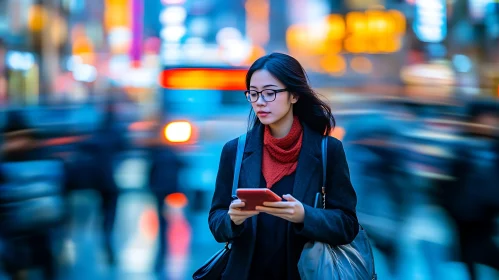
(427, 174)
(39, 172)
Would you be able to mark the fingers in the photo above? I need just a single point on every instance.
(238, 217)
(287, 217)
(241, 213)
(237, 204)
(275, 210)
(289, 197)
(280, 204)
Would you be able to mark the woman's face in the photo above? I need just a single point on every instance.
(271, 112)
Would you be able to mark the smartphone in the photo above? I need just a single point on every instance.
(256, 197)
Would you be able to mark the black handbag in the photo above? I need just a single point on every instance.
(216, 265)
(319, 260)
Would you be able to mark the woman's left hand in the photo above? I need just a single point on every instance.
(291, 209)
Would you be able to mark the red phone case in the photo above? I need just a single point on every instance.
(256, 197)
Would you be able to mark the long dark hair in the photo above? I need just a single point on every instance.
(309, 108)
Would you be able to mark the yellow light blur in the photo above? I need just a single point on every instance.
(59, 30)
(335, 47)
(83, 48)
(178, 132)
(333, 64)
(257, 21)
(82, 45)
(373, 31)
(393, 45)
(335, 27)
(295, 34)
(356, 44)
(361, 64)
(37, 18)
(375, 23)
(300, 39)
(338, 133)
(399, 21)
(256, 52)
(356, 23)
(116, 14)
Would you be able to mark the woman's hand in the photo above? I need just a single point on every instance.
(237, 215)
(291, 209)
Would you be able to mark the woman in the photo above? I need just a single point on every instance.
(283, 153)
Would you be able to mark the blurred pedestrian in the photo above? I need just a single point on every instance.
(380, 198)
(163, 181)
(472, 197)
(106, 142)
(33, 248)
(282, 153)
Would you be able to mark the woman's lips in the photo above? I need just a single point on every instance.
(262, 114)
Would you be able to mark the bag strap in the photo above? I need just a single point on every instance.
(324, 162)
(324, 166)
(239, 158)
(237, 168)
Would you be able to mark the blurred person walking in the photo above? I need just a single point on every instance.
(107, 141)
(282, 153)
(380, 199)
(163, 181)
(472, 198)
(26, 249)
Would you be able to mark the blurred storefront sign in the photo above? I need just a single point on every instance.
(430, 22)
(324, 44)
(374, 31)
(203, 78)
(428, 74)
(117, 22)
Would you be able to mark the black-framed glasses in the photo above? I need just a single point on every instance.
(268, 95)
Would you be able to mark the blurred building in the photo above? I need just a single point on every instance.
(69, 51)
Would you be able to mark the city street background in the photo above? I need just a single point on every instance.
(113, 115)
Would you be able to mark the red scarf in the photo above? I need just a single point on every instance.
(280, 156)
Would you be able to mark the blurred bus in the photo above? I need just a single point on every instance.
(201, 108)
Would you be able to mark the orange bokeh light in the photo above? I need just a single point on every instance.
(176, 200)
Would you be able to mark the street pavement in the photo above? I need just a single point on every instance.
(191, 243)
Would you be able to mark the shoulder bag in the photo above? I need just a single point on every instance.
(345, 262)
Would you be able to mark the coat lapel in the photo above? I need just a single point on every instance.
(251, 167)
(308, 160)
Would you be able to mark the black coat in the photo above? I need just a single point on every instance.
(336, 225)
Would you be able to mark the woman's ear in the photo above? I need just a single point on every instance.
(294, 98)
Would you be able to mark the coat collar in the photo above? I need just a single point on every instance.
(308, 160)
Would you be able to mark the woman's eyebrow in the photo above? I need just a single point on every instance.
(265, 86)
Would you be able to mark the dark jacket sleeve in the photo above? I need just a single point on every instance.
(221, 226)
(337, 224)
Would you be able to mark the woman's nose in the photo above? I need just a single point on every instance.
(260, 101)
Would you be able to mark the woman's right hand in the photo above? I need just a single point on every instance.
(237, 215)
